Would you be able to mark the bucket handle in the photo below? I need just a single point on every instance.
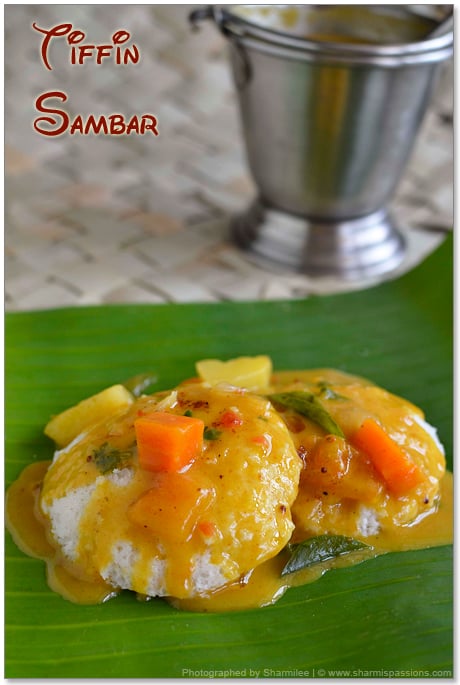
(243, 70)
(200, 14)
(215, 13)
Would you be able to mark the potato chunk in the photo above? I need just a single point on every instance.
(64, 427)
(244, 372)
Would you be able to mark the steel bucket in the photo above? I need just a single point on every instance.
(331, 99)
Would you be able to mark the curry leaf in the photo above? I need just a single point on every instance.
(327, 393)
(307, 404)
(320, 548)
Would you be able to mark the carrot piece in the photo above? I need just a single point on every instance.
(230, 419)
(264, 440)
(395, 467)
(207, 528)
(173, 506)
(167, 442)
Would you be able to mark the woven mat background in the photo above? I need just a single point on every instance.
(94, 219)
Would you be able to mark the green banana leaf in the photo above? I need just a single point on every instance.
(390, 615)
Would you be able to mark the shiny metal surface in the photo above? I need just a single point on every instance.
(329, 122)
(352, 249)
(327, 141)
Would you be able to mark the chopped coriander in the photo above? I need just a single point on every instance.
(211, 433)
(188, 412)
(108, 458)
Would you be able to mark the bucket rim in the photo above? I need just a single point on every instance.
(236, 26)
